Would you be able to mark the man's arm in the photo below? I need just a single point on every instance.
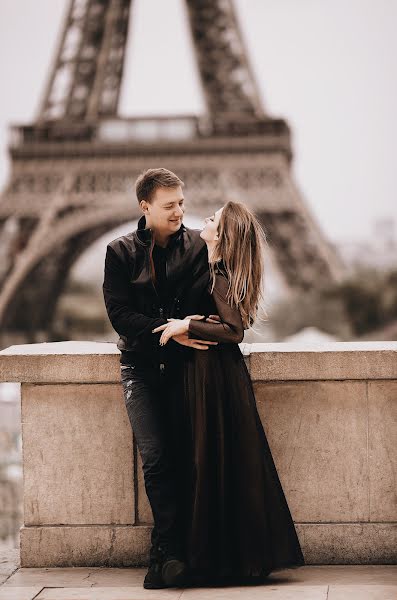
(117, 296)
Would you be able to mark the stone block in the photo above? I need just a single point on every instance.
(317, 432)
(382, 430)
(77, 455)
(348, 543)
(85, 546)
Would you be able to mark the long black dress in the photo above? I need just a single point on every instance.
(238, 525)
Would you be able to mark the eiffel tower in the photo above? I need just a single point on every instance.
(73, 169)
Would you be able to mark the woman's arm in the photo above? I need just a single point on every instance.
(230, 328)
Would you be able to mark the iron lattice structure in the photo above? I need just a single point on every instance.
(73, 169)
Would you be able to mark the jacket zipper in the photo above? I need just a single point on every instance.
(161, 310)
(162, 365)
(161, 313)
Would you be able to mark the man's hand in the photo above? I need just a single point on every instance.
(184, 340)
(172, 328)
(177, 329)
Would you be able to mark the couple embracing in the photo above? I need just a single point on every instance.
(180, 300)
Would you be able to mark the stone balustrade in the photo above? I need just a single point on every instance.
(329, 412)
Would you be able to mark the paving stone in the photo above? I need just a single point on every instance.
(338, 574)
(362, 592)
(261, 592)
(108, 593)
(19, 593)
(133, 577)
(66, 577)
(9, 563)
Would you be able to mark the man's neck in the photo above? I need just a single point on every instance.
(161, 239)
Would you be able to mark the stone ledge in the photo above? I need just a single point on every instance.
(98, 362)
(332, 360)
(61, 362)
(124, 546)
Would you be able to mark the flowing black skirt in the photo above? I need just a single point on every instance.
(238, 523)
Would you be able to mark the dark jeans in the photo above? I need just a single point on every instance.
(154, 403)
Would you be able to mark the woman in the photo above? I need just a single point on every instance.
(238, 523)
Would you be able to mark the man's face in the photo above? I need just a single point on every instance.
(165, 212)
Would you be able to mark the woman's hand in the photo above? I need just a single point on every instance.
(172, 328)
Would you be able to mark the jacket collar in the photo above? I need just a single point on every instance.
(145, 235)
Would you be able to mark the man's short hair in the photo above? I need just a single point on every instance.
(150, 180)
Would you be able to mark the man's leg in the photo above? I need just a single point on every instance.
(147, 411)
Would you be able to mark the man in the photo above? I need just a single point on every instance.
(148, 274)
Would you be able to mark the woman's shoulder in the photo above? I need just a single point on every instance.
(221, 283)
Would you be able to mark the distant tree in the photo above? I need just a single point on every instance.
(363, 302)
(370, 299)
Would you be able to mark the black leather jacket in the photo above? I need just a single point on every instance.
(132, 303)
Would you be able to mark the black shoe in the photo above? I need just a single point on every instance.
(153, 578)
(173, 568)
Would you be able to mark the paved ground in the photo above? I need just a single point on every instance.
(363, 582)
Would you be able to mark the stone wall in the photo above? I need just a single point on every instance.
(329, 413)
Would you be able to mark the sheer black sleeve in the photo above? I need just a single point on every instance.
(230, 329)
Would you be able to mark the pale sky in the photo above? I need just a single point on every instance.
(328, 67)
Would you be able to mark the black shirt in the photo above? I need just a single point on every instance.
(159, 259)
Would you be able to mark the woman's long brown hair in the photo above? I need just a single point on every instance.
(239, 253)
